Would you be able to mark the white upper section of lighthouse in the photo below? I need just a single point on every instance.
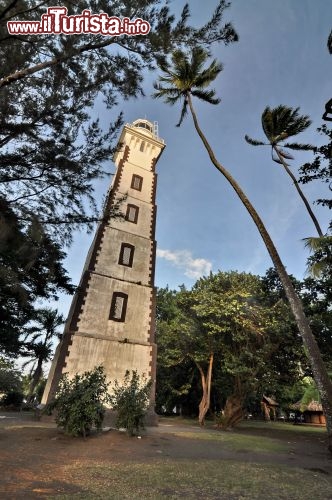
(148, 128)
(142, 138)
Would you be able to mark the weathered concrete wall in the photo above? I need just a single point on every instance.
(94, 317)
(116, 357)
(107, 261)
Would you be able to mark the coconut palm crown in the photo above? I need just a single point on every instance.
(279, 124)
(187, 76)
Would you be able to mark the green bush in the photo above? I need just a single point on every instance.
(12, 400)
(131, 401)
(10, 378)
(79, 402)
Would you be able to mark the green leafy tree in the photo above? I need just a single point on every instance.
(173, 382)
(316, 296)
(182, 338)
(240, 340)
(130, 400)
(279, 124)
(11, 386)
(256, 341)
(187, 76)
(79, 402)
(30, 269)
(310, 394)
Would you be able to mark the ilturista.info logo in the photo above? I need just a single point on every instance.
(57, 22)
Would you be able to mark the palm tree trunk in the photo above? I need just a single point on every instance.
(299, 190)
(317, 365)
(35, 379)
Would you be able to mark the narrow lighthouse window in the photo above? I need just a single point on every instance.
(132, 213)
(118, 306)
(136, 182)
(126, 254)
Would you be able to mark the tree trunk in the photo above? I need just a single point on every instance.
(299, 190)
(204, 405)
(317, 365)
(35, 379)
(23, 73)
(233, 411)
(266, 411)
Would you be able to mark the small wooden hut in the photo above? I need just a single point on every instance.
(312, 412)
(269, 408)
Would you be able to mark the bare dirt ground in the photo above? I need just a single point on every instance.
(36, 458)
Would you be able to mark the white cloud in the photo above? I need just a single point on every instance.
(183, 259)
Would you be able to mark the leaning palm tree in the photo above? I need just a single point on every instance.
(38, 344)
(187, 77)
(278, 125)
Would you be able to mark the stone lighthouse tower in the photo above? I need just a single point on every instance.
(112, 317)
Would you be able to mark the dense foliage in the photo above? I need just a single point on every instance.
(79, 402)
(10, 378)
(229, 327)
(321, 167)
(130, 400)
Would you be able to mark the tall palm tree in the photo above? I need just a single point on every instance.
(279, 124)
(38, 344)
(187, 77)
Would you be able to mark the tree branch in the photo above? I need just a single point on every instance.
(19, 75)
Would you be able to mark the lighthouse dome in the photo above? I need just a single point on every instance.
(144, 124)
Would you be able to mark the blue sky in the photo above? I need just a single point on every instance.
(281, 58)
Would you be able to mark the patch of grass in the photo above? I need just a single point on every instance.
(282, 426)
(177, 420)
(238, 442)
(222, 480)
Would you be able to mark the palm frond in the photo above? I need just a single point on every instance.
(254, 142)
(208, 75)
(206, 95)
(267, 123)
(276, 159)
(184, 111)
(284, 154)
(315, 243)
(282, 122)
(299, 147)
(170, 95)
